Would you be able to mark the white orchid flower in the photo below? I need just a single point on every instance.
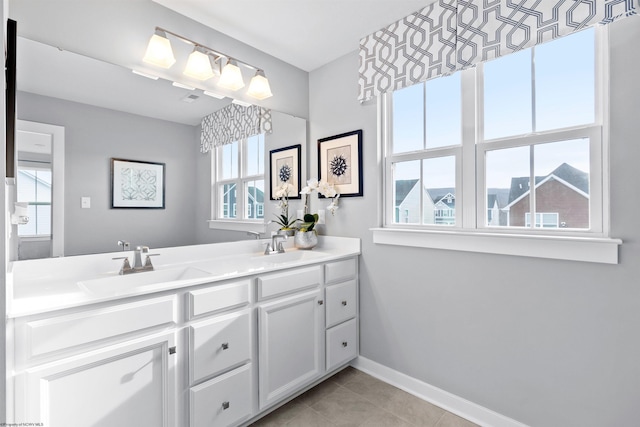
(306, 190)
(312, 184)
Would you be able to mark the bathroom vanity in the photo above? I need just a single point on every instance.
(216, 335)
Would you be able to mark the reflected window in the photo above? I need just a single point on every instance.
(34, 187)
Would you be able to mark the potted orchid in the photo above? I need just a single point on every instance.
(306, 237)
(286, 222)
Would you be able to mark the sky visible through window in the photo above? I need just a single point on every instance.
(559, 89)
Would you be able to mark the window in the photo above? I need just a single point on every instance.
(490, 147)
(470, 158)
(239, 184)
(34, 187)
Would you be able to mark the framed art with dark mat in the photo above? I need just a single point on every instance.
(284, 167)
(340, 162)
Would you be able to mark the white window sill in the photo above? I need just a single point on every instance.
(231, 225)
(586, 249)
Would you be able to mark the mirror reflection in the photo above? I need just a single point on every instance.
(106, 111)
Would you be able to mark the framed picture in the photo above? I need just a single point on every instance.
(136, 184)
(284, 166)
(340, 162)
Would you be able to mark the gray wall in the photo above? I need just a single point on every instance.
(548, 343)
(92, 137)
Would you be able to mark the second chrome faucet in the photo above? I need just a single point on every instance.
(138, 265)
(275, 247)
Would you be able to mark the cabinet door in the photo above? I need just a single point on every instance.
(130, 384)
(291, 345)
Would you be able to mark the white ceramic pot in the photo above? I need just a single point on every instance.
(305, 239)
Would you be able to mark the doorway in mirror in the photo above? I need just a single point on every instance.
(40, 184)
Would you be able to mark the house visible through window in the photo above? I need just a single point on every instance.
(491, 147)
(34, 187)
(240, 179)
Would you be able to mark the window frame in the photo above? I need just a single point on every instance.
(34, 166)
(243, 223)
(471, 232)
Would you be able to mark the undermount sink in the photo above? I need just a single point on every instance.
(118, 284)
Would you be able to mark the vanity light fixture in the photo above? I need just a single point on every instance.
(140, 73)
(231, 76)
(203, 64)
(199, 65)
(159, 50)
(259, 86)
(183, 86)
(213, 94)
(238, 102)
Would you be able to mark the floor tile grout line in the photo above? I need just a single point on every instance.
(383, 409)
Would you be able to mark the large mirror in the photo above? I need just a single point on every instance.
(105, 112)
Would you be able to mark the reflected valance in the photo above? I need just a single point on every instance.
(233, 123)
(451, 35)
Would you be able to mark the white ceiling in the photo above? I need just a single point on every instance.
(305, 33)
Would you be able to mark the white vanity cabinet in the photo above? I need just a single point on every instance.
(206, 354)
(342, 308)
(290, 332)
(86, 368)
(220, 353)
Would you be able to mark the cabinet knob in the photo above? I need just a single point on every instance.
(172, 350)
(344, 303)
(344, 343)
(225, 405)
(225, 345)
(320, 302)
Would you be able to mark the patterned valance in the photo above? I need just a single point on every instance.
(233, 123)
(409, 51)
(451, 35)
(490, 29)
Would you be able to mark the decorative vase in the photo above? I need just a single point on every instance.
(305, 239)
(287, 232)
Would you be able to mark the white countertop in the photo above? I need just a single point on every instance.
(39, 286)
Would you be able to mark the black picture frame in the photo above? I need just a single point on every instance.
(137, 184)
(340, 163)
(289, 158)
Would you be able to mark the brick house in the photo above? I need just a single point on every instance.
(562, 199)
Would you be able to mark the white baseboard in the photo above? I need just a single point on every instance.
(445, 400)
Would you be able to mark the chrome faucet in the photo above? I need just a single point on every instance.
(274, 247)
(138, 266)
(137, 256)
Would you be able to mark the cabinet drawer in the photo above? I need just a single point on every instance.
(341, 270)
(272, 285)
(341, 302)
(219, 344)
(341, 344)
(222, 401)
(39, 337)
(218, 298)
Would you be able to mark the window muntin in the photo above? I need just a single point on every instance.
(240, 181)
(509, 136)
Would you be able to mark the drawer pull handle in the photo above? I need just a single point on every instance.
(225, 345)
(320, 302)
(344, 303)
(225, 405)
(344, 343)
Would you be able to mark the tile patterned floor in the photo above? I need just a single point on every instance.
(352, 398)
